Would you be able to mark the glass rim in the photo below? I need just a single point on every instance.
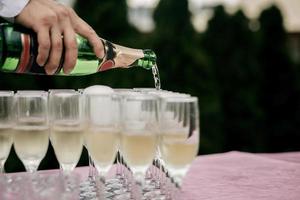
(6, 93)
(64, 92)
(31, 93)
(59, 90)
(180, 99)
(139, 96)
(145, 89)
(122, 89)
(80, 90)
(103, 94)
(164, 95)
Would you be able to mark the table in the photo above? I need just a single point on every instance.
(244, 176)
(238, 176)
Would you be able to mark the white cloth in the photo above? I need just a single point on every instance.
(11, 8)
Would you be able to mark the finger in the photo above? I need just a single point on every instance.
(44, 45)
(55, 52)
(70, 48)
(85, 30)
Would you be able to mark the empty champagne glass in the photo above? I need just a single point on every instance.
(6, 123)
(139, 132)
(31, 132)
(179, 126)
(67, 127)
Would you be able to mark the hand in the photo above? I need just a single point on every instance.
(52, 20)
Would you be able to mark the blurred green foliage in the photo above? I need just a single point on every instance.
(248, 87)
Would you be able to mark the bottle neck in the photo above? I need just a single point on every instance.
(117, 56)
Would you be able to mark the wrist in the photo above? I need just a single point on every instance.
(11, 9)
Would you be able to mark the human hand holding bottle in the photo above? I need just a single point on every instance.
(56, 26)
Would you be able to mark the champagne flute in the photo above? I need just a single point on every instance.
(179, 125)
(67, 127)
(31, 132)
(139, 132)
(96, 89)
(6, 123)
(92, 173)
(88, 188)
(102, 135)
(123, 171)
(158, 174)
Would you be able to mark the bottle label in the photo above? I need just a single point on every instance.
(118, 56)
(27, 62)
(20, 52)
(25, 54)
(110, 54)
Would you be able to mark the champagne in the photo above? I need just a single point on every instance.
(67, 142)
(31, 143)
(19, 47)
(178, 152)
(103, 147)
(139, 150)
(156, 77)
(6, 140)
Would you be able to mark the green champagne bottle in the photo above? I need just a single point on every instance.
(18, 52)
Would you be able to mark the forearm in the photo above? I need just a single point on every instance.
(11, 8)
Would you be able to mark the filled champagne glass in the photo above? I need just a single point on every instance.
(31, 132)
(159, 175)
(102, 135)
(103, 121)
(92, 170)
(179, 126)
(67, 127)
(139, 132)
(6, 123)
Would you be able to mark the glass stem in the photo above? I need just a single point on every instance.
(168, 186)
(31, 168)
(177, 181)
(140, 182)
(2, 166)
(102, 179)
(91, 168)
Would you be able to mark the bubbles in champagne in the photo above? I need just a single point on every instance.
(67, 142)
(31, 143)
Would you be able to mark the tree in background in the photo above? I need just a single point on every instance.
(108, 18)
(174, 41)
(279, 94)
(230, 46)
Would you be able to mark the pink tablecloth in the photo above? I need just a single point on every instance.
(244, 176)
(241, 176)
